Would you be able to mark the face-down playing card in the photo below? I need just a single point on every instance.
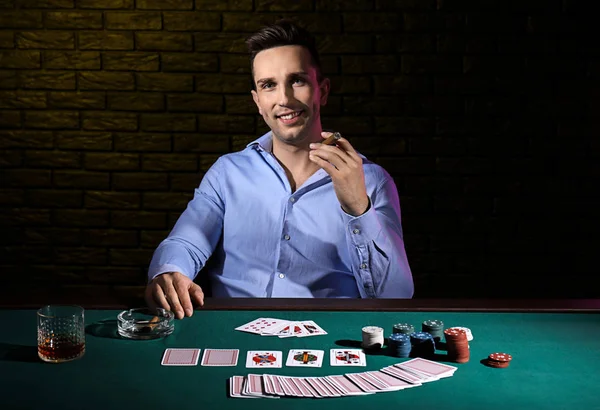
(180, 357)
(220, 357)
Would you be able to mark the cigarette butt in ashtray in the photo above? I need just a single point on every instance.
(152, 323)
(332, 138)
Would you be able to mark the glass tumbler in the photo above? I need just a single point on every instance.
(61, 333)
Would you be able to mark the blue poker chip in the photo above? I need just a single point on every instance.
(399, 338)
(421, 335)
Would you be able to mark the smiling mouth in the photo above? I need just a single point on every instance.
(290, 115)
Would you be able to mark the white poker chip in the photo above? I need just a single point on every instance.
(466, 330)
(372, 337)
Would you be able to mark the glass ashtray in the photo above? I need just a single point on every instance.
(145, 323)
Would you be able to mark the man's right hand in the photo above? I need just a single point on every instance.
(175, 292)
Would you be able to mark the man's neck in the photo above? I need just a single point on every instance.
(294, 160)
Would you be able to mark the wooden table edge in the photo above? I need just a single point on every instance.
(399, 305)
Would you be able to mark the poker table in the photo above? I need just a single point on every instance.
(555, 345)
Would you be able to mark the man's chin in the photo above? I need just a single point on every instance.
(291, 136)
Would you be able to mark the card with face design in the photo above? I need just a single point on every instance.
(347, 357)
(305, 358)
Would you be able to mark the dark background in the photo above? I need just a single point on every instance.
(111, 110)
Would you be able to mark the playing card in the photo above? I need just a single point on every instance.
(423, 377)
(259, 325)
(305, 358)
(236, 384)
(322, 384)
(275, 384)
(276, 326)
(220, 357)
(308, 387)
(391, 381)
(311, 329)
(361, 383)
(344, 385)
(254, 387)
(180, 357)
(287, 391)
(263, 359)
(291, 330)
(347, 357)
(371, 377)
(429, 367)
(268, 385)
(292, 389)
(320, 388)
(402, 375)
(301, 386)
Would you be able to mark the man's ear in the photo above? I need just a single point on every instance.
(255, 98)
(324, 89)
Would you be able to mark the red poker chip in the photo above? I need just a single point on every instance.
(500, 357)
(496, 365)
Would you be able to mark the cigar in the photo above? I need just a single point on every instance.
(152, 323)
(332, 139)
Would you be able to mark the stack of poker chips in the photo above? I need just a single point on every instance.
(399, 345)
(422, 344)
(404, 328)
(457, 345)
(499, 360)
(467, 331)
(435, 328)
(372, 337)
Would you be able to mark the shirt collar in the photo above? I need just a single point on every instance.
(264, 143)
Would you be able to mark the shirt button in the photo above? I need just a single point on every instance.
(281, 276)
(363, 266)
(356, 230)
(286, 237)
(292, 199)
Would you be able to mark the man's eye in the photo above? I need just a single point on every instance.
(299, 81)
(267, 85)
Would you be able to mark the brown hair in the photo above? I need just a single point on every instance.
(283, 33)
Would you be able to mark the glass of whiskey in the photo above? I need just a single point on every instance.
(61, 333)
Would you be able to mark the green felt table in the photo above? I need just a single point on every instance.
(555, 353)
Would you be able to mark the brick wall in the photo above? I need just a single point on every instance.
(111, 110)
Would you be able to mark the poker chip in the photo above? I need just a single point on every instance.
(500, 357)
(399, 345)
(457, 345)
(372, 337)
(422, 344)
(435, 328)
(404, 328)
(498, 360)
(467, 331)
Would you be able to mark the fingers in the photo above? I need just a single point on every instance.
(184, 298)
(159, 297)
(197, 294)
(330, 154)
(173, 298)
(175, 292)
(326, 165)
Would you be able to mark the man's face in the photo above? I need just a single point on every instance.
(288, 95)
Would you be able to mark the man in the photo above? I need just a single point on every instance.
(287, 216)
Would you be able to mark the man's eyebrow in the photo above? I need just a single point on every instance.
(271, 79)
(264, 80)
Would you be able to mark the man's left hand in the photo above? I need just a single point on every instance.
(344, 165)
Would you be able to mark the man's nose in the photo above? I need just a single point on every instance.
(285, 94)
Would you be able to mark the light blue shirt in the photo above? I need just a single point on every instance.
(268, 241)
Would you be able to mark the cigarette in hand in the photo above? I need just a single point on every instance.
(332, 139)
